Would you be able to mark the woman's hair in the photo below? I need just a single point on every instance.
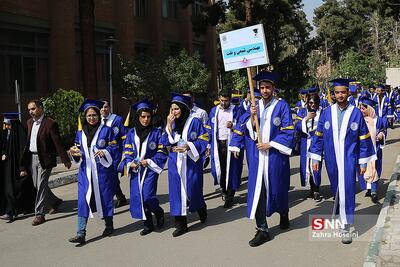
(314, 97)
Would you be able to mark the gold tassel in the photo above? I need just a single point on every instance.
(79, 123)
(126, 124)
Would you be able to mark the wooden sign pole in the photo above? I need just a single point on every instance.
(253, 103)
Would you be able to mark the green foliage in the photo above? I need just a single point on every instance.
(142, 78)
(63, 107)
(359, 67)
(185, 72)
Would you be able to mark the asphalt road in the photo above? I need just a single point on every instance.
(222, 241)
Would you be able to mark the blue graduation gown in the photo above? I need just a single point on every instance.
(343, 153)
(307, 131)
(244, 105)
(185, 170)
(116, 123)
(353, 101)
(382, 108)
(299, 105)
(398, 108)
(97, 174)
(380, 127)
(272, 166)
(234, 166)
(143, 181)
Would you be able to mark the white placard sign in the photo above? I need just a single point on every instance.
(244, 48)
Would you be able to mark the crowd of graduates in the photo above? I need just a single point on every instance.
(350, 121)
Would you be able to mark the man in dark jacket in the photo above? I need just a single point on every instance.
(39, 157)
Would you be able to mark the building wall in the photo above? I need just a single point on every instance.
(52, 58)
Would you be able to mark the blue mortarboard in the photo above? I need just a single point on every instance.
(144, 104)
(235, 101)
(185, 100)
(353, 88)
(257, 93)
(367, 101)
(341, 82)
(303, 91)
(10, 116)
(382, 86)
(272, 77)
(371, 87)
(91, 103)
(313, 90)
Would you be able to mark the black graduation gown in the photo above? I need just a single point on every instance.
(18, 192)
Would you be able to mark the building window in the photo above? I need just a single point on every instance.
(171, 48)
(197, 7)
(170, 9)
(23, 57)
(139, 8)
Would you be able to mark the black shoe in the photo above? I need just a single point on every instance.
(317, 197)
(260, 238)
(203, 214)
(108, 231)
(180, 231)
(80, 239)
(228, 203)
(160, 220)
(374, 198)
(284, 221)
(121, 202)
(368, 193)
(311, 195)
(146, 231)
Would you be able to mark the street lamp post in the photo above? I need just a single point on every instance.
(110, 41)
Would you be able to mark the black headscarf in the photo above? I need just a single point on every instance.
(180, 122)
(90, 130)
(142, 131)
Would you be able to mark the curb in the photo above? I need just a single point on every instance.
(64, 178)
(375, 245)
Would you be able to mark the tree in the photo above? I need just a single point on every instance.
(63, 106)
(142, 77)
(185, 72)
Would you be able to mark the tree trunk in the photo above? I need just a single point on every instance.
(88, 54)
(249, 17)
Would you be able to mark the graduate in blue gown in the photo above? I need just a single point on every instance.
(226, 170)
(95, 150)
(377, 129)
(343, 137)
(269, 171)
(354, 97)
(302, 102)
(143, 160)
(245, 102)
(306, 128)
(116, 123)
(383, 103)
(187, 140)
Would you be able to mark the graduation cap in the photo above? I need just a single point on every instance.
(381, 86)
(353, 88)
(91, 103)
(10, 116)
(267, 76)
(367, 101)
(235, 101)
(341, 82)
(313, 90)
(143, 104)
(88, 103)
(303, 91)
(179, 98)
(371, 87)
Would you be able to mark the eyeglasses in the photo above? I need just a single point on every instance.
(311, 103)
(92, 116)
